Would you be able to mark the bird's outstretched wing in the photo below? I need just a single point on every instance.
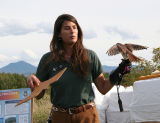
(114, 50)
(132, 47)
(126, 51)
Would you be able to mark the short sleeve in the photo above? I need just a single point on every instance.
(96, 67)
(42, 71)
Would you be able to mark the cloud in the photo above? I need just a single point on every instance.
(123, 33)
(14, 27)
(89, 34)
(45, 27)
(158, 31)
(4, 60)
(28, 55)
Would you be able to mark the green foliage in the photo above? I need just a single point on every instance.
(12, 81)
(42, 109)
(106, 75)
(143, 68)
(156, 57)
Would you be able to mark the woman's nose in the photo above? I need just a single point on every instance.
(72, 30)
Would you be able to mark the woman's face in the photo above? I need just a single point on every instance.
(69, 33)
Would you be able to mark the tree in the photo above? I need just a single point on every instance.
(141, 69)
(12, 81)
(106, 75)
(156, 57)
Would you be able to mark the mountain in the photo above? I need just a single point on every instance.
(108, 69)
(20, 67)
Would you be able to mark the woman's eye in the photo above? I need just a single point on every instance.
(74, 27)
(67, 28)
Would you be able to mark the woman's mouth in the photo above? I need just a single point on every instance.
(72, 37)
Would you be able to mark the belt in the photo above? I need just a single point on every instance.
(74, 110)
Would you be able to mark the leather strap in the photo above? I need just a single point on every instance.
(74, 110)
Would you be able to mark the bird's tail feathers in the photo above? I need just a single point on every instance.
(133, 58)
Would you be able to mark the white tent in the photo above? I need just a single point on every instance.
(145, 105)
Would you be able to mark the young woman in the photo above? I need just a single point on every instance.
(72, 95)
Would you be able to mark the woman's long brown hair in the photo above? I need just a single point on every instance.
(79, 58)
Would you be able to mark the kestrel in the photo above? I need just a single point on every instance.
(126, 51)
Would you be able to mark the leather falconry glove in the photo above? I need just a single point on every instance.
(116, 75)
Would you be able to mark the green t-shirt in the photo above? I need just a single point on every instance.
(70, 90)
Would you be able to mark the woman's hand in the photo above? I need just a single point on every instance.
(33, 81)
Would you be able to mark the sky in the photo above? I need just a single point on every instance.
(26, 27)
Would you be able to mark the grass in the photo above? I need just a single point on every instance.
(41, 109)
